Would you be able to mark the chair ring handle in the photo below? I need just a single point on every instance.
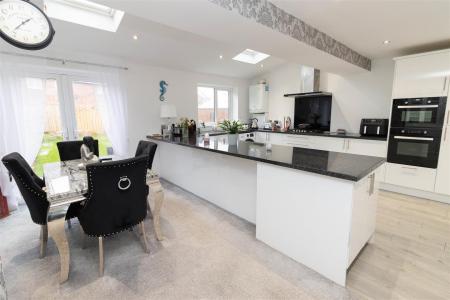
(124, 183)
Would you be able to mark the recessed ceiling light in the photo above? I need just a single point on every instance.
(262, 66)
(251, 56)
(84, 12)
(135, 37)
(220, 56)
(387, 42)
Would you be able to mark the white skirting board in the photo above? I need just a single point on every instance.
(413, 192)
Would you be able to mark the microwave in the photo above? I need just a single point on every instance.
(418, 112)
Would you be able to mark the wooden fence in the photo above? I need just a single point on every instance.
(88, 119)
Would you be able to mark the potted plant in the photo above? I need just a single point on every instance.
(232, 128)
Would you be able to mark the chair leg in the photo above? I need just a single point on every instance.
(144, 237)
(69, 224)
(44, 239)
(83, 238)
(100, 256)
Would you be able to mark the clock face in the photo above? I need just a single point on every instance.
(24, 25)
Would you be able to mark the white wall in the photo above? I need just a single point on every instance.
(355, 96)
(362, 95)
(142, 87)
(284, 79)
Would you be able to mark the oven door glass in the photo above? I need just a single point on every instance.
(414, 151)
(415, 117)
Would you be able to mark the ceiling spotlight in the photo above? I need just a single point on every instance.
(262, 66)
(135, 37)
(387, 42)
(221, 56)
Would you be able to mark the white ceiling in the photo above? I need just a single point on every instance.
(411, 25)
(157, 45)
(190, 35)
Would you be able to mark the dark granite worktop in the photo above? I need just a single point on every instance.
(348, 135)
(340, 165)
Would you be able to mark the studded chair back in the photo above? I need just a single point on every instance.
(30, 186)
(70, 150)
(116, 198)
(148, 149)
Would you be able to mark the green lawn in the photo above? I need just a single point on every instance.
(49, 152)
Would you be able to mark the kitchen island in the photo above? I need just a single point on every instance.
(317, 207)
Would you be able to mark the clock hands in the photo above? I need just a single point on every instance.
(21, 24)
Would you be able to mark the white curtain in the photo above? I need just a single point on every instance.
(22, 115)
(112, 106)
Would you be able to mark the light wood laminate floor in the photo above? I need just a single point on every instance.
(410, 257)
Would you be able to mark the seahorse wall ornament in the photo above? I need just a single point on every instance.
(162, 89)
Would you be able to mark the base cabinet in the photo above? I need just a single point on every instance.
(336, 144)
(367, 147)
(410, 176)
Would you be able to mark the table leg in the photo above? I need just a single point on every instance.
(57, 233)
(158, 196)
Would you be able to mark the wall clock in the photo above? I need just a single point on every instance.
(25, 25)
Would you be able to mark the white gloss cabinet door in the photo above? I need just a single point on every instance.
(443, 170)
(424, 75)
(410, 176)
(366, 147)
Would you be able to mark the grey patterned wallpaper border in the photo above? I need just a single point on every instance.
(266, 13)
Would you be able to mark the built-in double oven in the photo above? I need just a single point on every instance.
(416, 129)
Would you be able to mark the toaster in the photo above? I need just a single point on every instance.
(374, 127)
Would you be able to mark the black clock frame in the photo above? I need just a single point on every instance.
(37, 46)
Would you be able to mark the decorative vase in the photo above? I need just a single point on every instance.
(232, 139)
(192, 130)
(185, 132)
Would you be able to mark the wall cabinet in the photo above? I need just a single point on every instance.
(443, 171)
(422, 75)
(258, 99)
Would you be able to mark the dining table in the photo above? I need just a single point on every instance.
(66, 183)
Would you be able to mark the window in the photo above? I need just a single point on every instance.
(70, 112)
(214, 104)
(85, 13)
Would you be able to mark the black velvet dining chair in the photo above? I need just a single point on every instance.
(148, 149)
(31, 187)
(70, 150)
(116, 200)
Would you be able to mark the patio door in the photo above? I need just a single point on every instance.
(71, 112)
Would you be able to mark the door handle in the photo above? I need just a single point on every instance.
(412, 138)
(418, 106)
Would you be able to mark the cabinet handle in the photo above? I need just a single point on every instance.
(448, 115)
(348, 145)
(445, 133)
(409, 168)
(445, 83)
(371, 183)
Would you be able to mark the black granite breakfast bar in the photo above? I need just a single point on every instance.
(340, 165)
(301, 200)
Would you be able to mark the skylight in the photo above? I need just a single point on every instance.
(251, 56)
(85, 13)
